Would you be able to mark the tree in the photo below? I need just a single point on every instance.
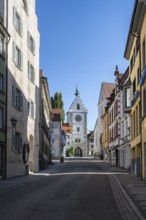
(71, 150)
(57, 102)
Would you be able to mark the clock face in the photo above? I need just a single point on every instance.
(78, 118)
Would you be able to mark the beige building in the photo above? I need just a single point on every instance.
(23, 86)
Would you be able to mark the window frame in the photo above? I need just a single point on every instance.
(31, 109)
(31, 72)
(17, 98)
(1, 118)
(17, 22)
(17, 142)
(31, 43)
(17, 56)
(1, 83)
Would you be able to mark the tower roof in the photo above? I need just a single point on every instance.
(76, 92)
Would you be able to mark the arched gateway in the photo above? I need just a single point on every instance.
(78, 152)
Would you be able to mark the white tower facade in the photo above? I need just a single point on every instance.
(77, 118)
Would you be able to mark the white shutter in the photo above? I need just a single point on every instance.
(21, 59)
(21, 27)
(14, 16)
(13, 52)
(28, 69)
(28, 39)
(33, 47)
(34, 72)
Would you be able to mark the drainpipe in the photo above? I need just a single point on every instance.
(6, 114)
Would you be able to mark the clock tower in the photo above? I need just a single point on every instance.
(77, 118)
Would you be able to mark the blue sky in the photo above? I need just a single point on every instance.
(81, 43)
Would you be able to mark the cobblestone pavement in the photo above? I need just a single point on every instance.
(133, 189)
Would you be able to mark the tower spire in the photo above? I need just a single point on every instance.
(77, 92)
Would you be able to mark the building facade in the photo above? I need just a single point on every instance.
(45, 121)
(77, 119)
(68, 144)
(56, 133)
(125, 108)
(23, 91)
(4, 38)
(135, 52)
(90, 143)
(105, 91)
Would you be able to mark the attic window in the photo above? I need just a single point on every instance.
(78, 106)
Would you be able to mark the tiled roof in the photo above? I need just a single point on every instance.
(108, 88)
(66, 128)
(56, 111)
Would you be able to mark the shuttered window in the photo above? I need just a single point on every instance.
(17, 22)
(17, 56)
(17, 98)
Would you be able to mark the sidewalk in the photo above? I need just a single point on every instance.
(12, 182)
(133, 185)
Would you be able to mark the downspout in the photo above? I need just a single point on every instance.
(6, 114)
(140, 114)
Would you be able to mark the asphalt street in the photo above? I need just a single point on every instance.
(76, 190)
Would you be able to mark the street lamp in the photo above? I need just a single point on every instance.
(13, 122)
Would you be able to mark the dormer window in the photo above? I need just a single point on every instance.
(78, 106)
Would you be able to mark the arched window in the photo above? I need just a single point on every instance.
(78, 106)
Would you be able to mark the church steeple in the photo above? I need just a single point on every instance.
(77, 92)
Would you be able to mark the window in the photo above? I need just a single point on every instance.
(1, 83)
(138, 76)
(1, 118)
(31, 108)
(31, 72)
(17, 57)
(17, 22)
(137, 45)
(31, 43)
(78, 129)
(78, 106)
(68, 143)
(143, 52)
(17, 98)
(127, 98)
(134, 86)
(77, 140)
(144, 101)
(17, 142)
(2, 45)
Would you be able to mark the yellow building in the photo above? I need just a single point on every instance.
(135, 52)
(105, 144)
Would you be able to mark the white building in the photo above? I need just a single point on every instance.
(23, 86)
(56, 135)
(68, 132)
(125, 107)
(105, 91)
(77, 119)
